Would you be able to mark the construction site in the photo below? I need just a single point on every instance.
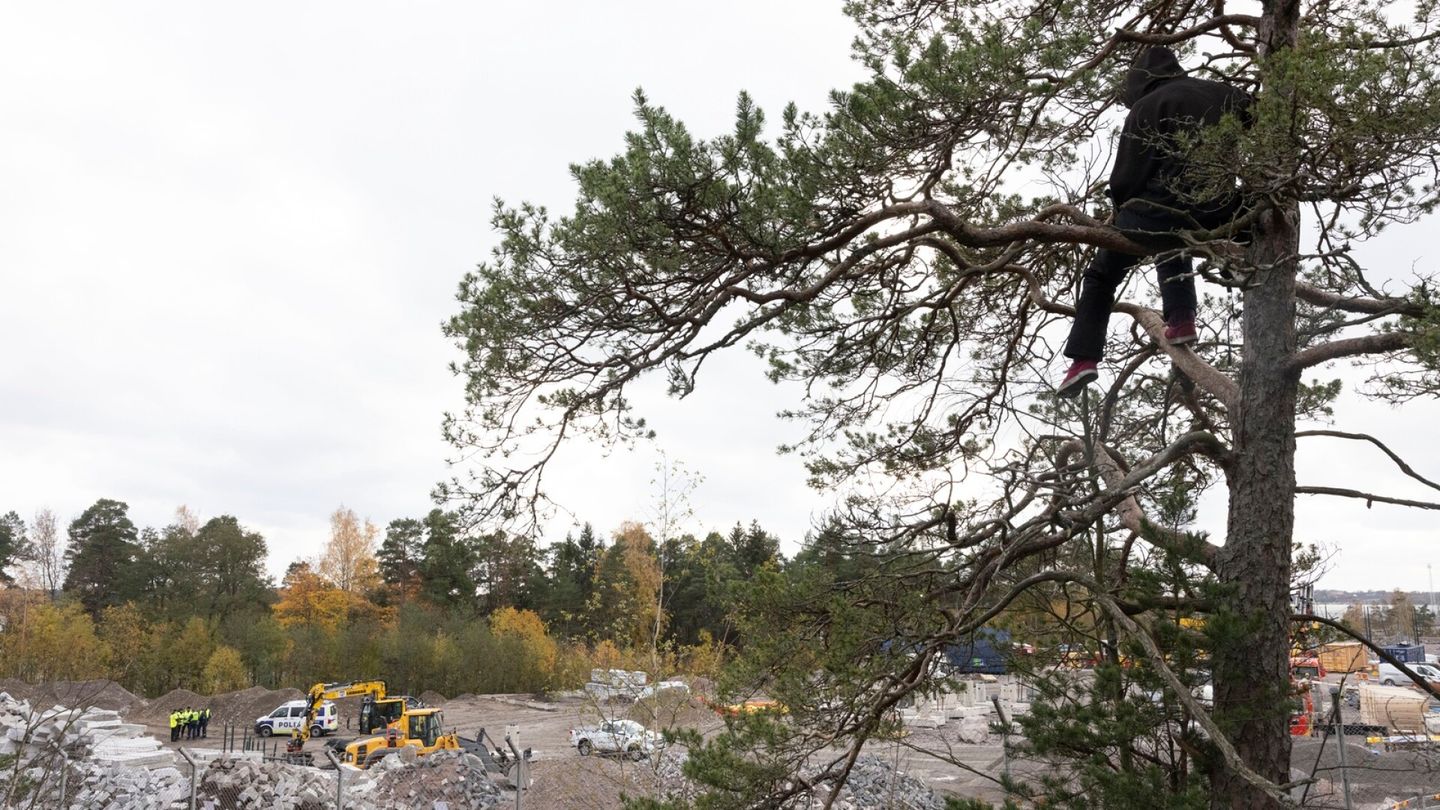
(92, 744)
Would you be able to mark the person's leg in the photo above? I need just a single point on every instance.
(1177, 287)
(1177, 298)
(1092, 309)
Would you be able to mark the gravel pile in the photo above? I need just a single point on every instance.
(98, 694)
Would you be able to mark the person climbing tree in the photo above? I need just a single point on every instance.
(1155, 197)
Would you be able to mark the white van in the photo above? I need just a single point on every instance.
(1392, 676)
(290, 715)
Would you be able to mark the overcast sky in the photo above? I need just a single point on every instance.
(230, 234)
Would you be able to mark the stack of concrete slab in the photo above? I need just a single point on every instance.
(97, 734)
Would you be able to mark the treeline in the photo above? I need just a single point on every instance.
(427, 603)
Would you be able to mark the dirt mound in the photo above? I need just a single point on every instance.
(432, 698)
(228, 707)
(159, 709)
(247, 704)
(99, 694)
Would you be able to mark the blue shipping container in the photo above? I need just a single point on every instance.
(1409, 653)
(980, 653)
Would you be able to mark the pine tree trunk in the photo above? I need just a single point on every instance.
(1252, 671)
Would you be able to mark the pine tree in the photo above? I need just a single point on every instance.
(102, 556)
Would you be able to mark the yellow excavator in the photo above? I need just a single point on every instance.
(393, 723)
(377, 712)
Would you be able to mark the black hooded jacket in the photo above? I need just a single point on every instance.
(1164, 102)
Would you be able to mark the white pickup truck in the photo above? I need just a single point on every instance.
(616, 737)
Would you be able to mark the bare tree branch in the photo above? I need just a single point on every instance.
(1365, 496)
(1399, 462)
(1382, 343)
(1371, 306)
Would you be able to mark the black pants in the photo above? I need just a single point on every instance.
(1108, 270)
(174, 734)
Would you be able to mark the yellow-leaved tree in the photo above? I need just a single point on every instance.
(524, 639)
(348, 559)
(225, 671)
(48, 642)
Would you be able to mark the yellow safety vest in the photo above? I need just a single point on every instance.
(174, 719)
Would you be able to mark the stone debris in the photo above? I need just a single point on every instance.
(97, 734)
(872, 785)
(84, 759)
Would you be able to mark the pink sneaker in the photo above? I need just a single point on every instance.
(1180, 332)
(1080, 374)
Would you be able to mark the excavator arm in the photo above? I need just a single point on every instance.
(321, 692)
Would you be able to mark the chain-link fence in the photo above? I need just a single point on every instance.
(440, 781)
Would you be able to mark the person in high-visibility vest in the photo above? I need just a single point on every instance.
(175, 725)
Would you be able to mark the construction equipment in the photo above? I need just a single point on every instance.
(403, 722)
(378, 710)
(421, 730)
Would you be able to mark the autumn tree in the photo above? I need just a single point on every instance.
(909, 256)
(627, 585)
(224, 671)
(46, 562)
(348, 559)
(309, 599)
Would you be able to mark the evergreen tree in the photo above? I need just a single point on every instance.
(103, 555)
(227, 567)
(446, 562)
(908, 258)
(401, 551)
(14, 544)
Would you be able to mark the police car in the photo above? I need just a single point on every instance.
(288, 717)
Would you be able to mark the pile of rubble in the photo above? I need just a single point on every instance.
(247, 782)
(459, 780)
(872, 785)
(89, 785)
(88, 758)
(89, 755)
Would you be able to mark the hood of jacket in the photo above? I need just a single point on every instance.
(1152, 66)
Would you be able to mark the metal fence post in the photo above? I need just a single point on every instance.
(519, 766)
(1340, 737)
(339, 779)
(194, 776)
